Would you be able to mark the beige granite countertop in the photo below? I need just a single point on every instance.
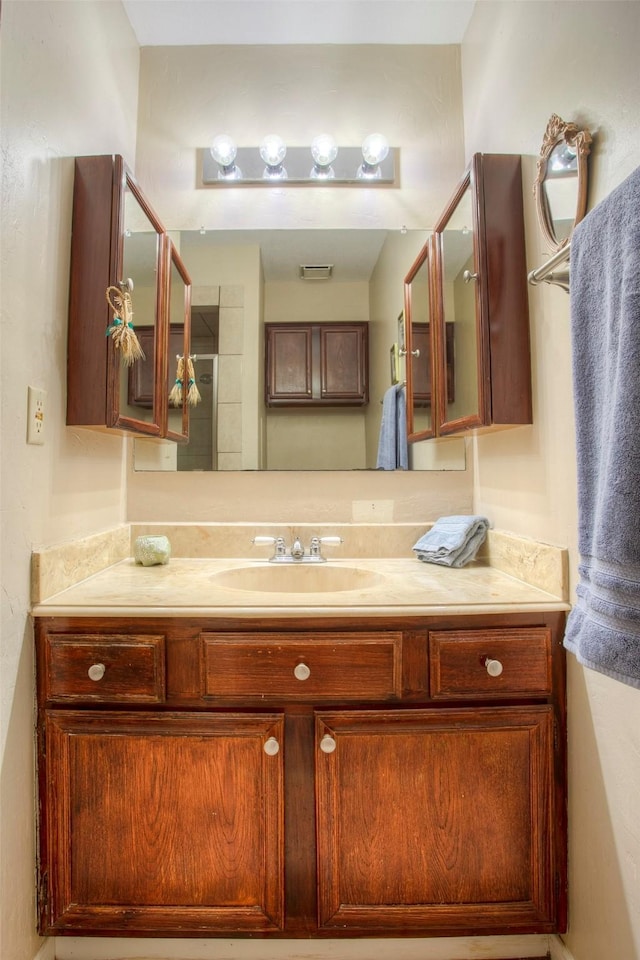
(188, 586)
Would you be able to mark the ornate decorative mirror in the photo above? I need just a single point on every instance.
(560, 187)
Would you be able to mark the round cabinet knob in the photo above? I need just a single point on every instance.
(301, 671)
(494, 667)
(327, 744)
(271, 747)
(96, 671)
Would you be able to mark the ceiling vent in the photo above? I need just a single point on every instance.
(316, 271)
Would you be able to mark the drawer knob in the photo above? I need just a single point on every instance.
(327, 744)
(271, 747)
(96, 671)
(494, 667)
(301, 671)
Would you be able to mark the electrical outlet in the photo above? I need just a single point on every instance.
(35, 414)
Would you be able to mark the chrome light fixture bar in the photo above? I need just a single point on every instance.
(273, 163)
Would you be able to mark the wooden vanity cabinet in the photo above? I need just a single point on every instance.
(117, 241)
(316, 364)
(302, 778)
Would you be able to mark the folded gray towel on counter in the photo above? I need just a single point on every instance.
(452, 541)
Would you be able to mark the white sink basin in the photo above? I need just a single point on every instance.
(298, 578)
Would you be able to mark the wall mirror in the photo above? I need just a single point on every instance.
(560, 187)
(242, 279)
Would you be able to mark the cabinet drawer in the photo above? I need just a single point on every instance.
(480, 664)
(109, 669)
(299, 666)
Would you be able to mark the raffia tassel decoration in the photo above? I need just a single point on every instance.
(121, 329)
(175, 394)
(193, 394)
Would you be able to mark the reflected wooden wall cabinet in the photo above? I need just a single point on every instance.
(316, 364)
(117, 237)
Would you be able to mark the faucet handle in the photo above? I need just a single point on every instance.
(278, 542)
(316, 544)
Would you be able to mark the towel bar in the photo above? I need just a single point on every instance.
(548, 273)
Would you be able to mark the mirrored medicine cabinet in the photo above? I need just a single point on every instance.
(125, 273)
(476, 308)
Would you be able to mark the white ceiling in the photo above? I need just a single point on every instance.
(188, 22)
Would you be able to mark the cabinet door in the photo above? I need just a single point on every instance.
(179, 319)
(343, 363)
(288, 364)
(436, 820)
(462, 309)
(481, 290)
(162, 822)
(418, 332)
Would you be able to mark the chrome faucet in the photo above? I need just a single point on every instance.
(296, 554)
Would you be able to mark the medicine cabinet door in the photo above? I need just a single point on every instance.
(463, 403)
(418, 331)
(179, 318)
(140, 263)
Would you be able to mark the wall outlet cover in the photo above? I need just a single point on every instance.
(36, 415)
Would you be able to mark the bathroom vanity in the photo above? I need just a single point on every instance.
(302, 764)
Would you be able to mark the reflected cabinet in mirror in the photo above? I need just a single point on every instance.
(125, 276)
(480, 340)
(560, 187)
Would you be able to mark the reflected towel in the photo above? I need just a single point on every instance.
(452, 541)
(603, 629)
(393, 451)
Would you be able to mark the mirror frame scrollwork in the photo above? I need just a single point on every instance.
(579, 140)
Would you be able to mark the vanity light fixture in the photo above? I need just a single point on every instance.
(371, 164)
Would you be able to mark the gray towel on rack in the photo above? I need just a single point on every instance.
(603, 628)
(452, 541)
(393, 451)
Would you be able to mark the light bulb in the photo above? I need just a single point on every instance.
(273, 150)
(374, 150)
(223, 150)
(324, 150)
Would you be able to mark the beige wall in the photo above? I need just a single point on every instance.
(522, 62)
(69, 86)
